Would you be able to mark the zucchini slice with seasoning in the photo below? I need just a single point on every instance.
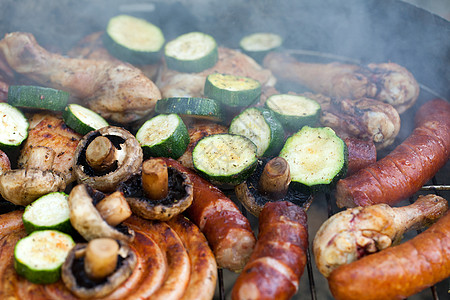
(262, 128)
(82, 119)
(232, 91)
(39, 256)
(198, 108)
(294, 111)
(317, 158)
(164, 135)
(258, 44)
(225, 159)
(134, 40)
(192, 52)
(50, 211)
(38, 97)
(15, 127)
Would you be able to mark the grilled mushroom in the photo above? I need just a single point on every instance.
(106, 157)
(88, 220)
(270, 182)
(23, 186)
(96, 269)
(159, 193)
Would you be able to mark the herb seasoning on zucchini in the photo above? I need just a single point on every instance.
(191, 52)
(50, 211)
(225, 159)
(15, 127)
(197, 108)
(134, 40)
(39, 256)
(294, 111)
(232, 91)
(317, 158)
(164, 135)
(262, 128)
(29, 96)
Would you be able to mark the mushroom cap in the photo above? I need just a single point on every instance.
(23, 186)
(76, 280)
(179, 198)
(248, 194)
(129, 159)
(86, 219)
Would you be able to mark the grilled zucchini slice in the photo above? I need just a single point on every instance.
(50, 211)
(262, 128)
(232, 91)
(192, 107)
(294, 111)
(134, 40)
(82, 119)
(258, 44)
(317, 158)
(192, 52)
(165, 135)
(15, 127)
(38, 97)
(225, 159)
(39, 256)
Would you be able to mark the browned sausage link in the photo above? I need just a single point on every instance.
(279, 258)
(228, 232)
(203, 277)
(10, 222)
(409, 166)
(361, 153)
(397, 272)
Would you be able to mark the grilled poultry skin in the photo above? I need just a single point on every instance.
(365, 119)
(176, 84)
(116, 90)
(359, 231)
(386, 82)
(49, 130)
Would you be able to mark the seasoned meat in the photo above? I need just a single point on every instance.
(116, 90)
(49, 130)
(386, 82)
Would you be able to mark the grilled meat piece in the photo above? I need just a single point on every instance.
(386, 82)
(365, 119)
(49, 130)
(116, 90)
(359, 231)
(174, 84)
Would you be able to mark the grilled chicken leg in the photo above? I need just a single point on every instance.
(357, 232)
(365, 119)
(386, 82)
(116, 90)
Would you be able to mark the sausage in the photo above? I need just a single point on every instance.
(227, 230)
(397, 272)
(408, 167)
(203, 277)
(361, 153)
(279, 258)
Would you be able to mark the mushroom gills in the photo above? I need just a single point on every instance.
(78, 281)
(92, 169)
